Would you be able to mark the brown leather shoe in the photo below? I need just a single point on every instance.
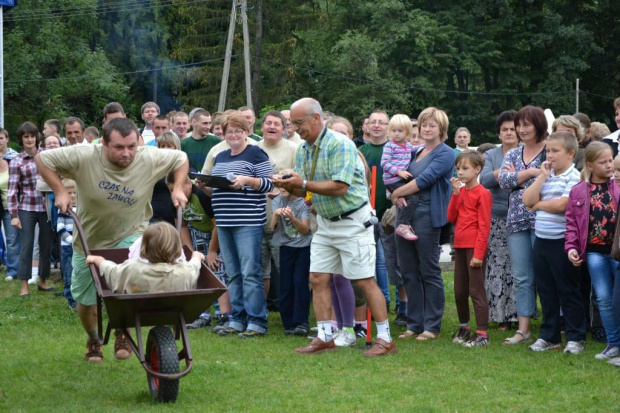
(122, 349)
(93, 351)
(316, 346)
(381, 348)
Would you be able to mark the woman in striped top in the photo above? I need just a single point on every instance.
(240, 218)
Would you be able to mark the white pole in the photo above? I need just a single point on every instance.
(577, 97)
(231, 33)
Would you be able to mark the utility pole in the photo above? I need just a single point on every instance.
(242, 4)
(577, 97)
(246, 52)
(231, 33)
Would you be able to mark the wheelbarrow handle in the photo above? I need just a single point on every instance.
(179, 221)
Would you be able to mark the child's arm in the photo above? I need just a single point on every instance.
(571, 236)
(531, 196)
(387, 165)
(95, 259)
(453, 206)
(213, 261)
(274, 219)
(484, 228)
(302, 225)
(198, 255)
(553, 206)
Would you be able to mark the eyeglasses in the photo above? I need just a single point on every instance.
(301, 121)
(377, 122)
(238, 132)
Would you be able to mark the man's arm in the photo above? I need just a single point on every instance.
(326, 188)
(63, 200)
(180, 175)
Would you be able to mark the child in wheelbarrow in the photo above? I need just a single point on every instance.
(160, 267)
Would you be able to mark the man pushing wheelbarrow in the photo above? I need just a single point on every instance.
(114, 185)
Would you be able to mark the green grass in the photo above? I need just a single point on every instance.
(42, 369)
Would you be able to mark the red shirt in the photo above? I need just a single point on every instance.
(470, 211)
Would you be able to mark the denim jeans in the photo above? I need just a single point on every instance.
(241, 249)
(66, 255)
(419, 266)
(381, 272)
(26, 237)
(520, 246)
(603, 271)
(12, 245)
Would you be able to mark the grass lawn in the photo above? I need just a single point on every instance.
(42, 346)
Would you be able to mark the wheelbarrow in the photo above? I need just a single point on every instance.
(159, 357)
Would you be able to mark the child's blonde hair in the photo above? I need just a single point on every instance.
(68, 183)
(169, 138)
(161, 243)
(593, 151)
(401, 121)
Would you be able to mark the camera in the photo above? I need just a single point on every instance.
(287, 176)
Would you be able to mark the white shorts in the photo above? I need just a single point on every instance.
(345, 247)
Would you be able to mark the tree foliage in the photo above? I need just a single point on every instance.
(473, 59)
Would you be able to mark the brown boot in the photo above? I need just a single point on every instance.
(122, 349)
(93, 351)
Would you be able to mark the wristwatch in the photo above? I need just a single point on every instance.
(303, 185)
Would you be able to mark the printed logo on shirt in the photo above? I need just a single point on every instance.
(118, 192)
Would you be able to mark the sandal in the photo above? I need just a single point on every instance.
(427, 335)
(409, 334)
(511, 341)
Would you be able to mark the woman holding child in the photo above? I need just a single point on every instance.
(241, 216)
(519, 170)
(431, 168)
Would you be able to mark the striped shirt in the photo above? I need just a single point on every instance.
(395, 158)
(64, 228)
(548, 225)
(242, 208)
(337, 160)
(23, 194)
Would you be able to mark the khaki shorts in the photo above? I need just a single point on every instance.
(344, 247)
(82, 286)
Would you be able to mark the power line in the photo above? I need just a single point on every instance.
(184, 65)
(97, 10)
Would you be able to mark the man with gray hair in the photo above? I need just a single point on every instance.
(330, 174)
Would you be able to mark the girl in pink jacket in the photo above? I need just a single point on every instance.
(591, 217)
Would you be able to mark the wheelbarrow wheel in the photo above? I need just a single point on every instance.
(161, 354)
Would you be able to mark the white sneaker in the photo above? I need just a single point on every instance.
(574, 347)
(608, 353)
(344, 339)
(33, 280)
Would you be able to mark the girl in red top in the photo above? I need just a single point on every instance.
(470, 211)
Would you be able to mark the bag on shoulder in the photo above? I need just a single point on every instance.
(388, 220)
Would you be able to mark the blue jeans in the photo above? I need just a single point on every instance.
(520, 246)
(382, 273)
(66, 255)
(12, 245)
(241, 249)
(603, 271)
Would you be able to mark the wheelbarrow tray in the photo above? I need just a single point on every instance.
(156, 308)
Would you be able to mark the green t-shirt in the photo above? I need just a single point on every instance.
(373, 154)
(197, 149)
(113, 202)
(255, 137)
(195, 214)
